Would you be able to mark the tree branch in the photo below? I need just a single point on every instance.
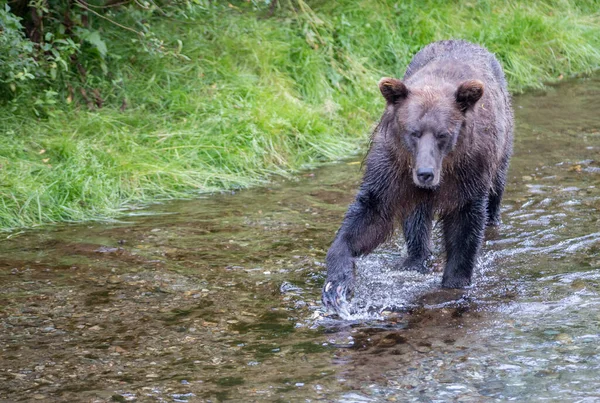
(84, 5)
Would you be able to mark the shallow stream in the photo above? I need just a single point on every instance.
(217, 299)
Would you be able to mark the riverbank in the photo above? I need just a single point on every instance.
(233, 94)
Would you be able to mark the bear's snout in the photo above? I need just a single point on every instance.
(425, 176)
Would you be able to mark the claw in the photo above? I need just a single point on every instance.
(335, 298)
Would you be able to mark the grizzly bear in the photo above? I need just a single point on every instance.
(441, 147)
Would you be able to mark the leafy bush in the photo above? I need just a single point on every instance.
(17, 62)
(51, 52)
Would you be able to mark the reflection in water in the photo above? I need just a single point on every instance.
(217, 299)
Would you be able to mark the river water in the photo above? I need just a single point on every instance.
(217, 299)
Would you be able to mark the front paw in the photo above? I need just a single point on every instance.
(493, 221)
(336, 294)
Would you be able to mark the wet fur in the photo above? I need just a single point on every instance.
(473, 173)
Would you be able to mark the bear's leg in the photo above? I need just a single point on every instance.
(463, 235)
(368, 222)
(417, 234)
(495, 197)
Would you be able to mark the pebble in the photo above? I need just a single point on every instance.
(564, 338)
(422, 349)
(114, 280)
(45, 381)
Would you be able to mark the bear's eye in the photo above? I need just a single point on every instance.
(415, 134)
(442, 136)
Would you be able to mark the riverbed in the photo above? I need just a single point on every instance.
(218, 299)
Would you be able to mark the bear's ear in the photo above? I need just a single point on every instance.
(393, 90)
(468, 93)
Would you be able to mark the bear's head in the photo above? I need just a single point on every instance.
(429, 119)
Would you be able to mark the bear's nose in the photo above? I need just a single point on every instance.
(425, 175)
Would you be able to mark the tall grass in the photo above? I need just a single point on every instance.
(241, 96)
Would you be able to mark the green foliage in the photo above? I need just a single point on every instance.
(216, 95)
(64, 57)
(17, 64)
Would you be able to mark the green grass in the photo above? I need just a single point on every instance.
(243, 96)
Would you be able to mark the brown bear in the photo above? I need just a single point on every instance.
(441, 147)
